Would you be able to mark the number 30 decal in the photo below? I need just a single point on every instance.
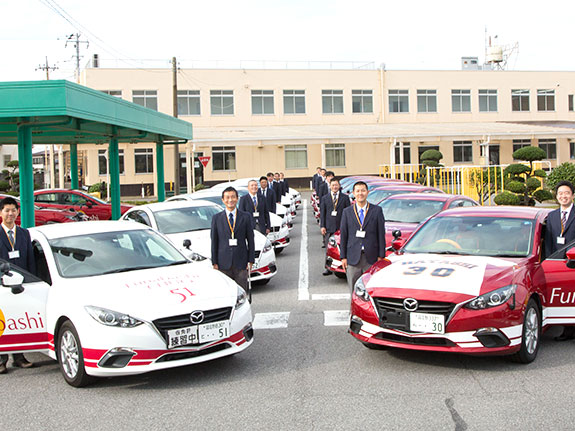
(437, 272)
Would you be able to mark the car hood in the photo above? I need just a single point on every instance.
(159, 292)
(445, 277)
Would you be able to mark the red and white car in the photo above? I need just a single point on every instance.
(44, 216)
(76, 200)
(469, 280)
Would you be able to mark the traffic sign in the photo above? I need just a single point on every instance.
(204, 160)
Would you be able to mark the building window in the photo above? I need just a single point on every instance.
(144, 160)
(295, 156)
(189, 102)
(224, 158)
(572, 150)
(520, 100)
(570, 103)
(461, 100)
(423, 148)
(7, 159)
(362, 101)
(115, 93)
(335, 155)
(426, 101)
(406, 153)
(262, 102)
(487, 100)
(462, 151)
(546, 100)
(146, 98)
(550, 147)
(222, 102)
(103, 162)
(520, 143)
(398, 100)
(332, 101)
(294, 101)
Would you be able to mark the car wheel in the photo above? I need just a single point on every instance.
(261, 282)
(70, 356)
(340, 275)
(372, 346)
(531, 334)
(279, 250)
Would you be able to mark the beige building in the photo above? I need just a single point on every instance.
(352, 121)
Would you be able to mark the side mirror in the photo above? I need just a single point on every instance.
(571, 258)
(396, 234)
(13, 280)
(397, 243)
(187, 243)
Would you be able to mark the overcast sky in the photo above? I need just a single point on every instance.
(402, 34)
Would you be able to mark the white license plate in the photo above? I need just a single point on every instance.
(423, 322)
(198, 334)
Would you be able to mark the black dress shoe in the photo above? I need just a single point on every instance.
(326, 272)
(23, 363)
(323, 246)
(3, 369)
(568, 334)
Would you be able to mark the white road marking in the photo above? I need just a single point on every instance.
(336, 317)
(271, 320)
(303, 285)
(324, 296)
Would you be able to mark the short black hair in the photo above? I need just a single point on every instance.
(333, 179)
(565, 183)
(329, 174)
(9, 201)
(322, 169)
(270, 173)
(263, 178)
(229, 189)
(360, 183)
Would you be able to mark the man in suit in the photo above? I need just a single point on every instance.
(16, 249)
(560, 234)
(331, 211)
(315, 177)
(268, 194)
(325, 186)
(256, 207)
(319, 181)
(273, 186)
(284, 183)
(233, 251)
(362, 235)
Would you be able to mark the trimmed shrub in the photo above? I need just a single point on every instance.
(507, 198)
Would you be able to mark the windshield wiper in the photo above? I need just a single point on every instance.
(135, 268)
(450, 252)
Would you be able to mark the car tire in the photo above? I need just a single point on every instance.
(261, 282)
(531, 336)
(372, 346)
(279, 250)
(70, 356)
(340, 275)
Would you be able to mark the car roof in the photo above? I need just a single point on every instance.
(399, 186)
(427, 197)
(495, 211)
(61, 190)
(160, 206)
(62, 230)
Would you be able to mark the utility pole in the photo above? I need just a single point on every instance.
(175, 110)
(75, 39)
(47, 68)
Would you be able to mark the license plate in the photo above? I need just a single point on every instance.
(422, 322)
(198, 334)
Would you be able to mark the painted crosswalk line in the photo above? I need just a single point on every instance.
(336, 317)
(329, 296)
(271, 320)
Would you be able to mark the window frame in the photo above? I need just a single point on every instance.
(294, 149)
(262, 96)
(547, 145)
(335, 148)
(545, 97)
(398, 99)
(297, 94)
(185, 97)
(222, 96)
(360, 97)
(147, 97)
(226, 151)
(332, 96)
(147, 153)
(425, 96)
(488, 96)
(463, 146)
(461, 95)
(522, 96)
(121, 161)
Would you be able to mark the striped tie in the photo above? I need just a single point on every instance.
(563, 221)
(11, 237)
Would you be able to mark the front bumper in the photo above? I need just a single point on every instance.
(334, 265)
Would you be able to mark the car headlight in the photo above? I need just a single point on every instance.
(112, 318)
(284, 223)
(493, 298)
(268, 246)
(242, 297)
(360, 290)
(332, 241)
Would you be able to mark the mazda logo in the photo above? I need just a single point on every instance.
(410, 304)
(197, 317)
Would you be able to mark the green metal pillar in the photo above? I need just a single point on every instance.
(160, 169)
(74, 165)
(26, 173)
(114, 169)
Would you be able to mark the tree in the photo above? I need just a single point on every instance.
(429, 158)
(563, 172)
(524, 181)
(13, 177)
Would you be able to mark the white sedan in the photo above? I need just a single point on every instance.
(183, 221)
(113, 298)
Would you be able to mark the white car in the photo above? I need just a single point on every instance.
(114, 298)
(191, 220)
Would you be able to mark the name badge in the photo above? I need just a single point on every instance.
(233, 242)
(360, 234)
(14, 254)
(256, 214)
(334, 213)
(561, 240)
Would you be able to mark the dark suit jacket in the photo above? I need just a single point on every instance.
(277, 190)
(263, 220)
(314, 180)
(270, 199)
(23, 245)
(553, 230)
(284, 187)
(318, 184)
(328, 221)
(374, 241)
(323, 190)
(225, 256)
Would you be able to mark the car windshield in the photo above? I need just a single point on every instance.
(87, 197)
(112, 252)
(409, 211)
(376, 196)
(186, 219)
(214, 199)
(477, 236)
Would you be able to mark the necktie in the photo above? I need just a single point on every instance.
(563, 220)
(334, 197)
(232, 219)
(361, 216)
(255, 202)
(11, 236)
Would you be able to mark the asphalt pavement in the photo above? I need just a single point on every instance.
(305, 372)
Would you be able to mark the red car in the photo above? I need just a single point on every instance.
(46, 216)
(94, 208)
(469, 280)
(403, 212)
(380, 193)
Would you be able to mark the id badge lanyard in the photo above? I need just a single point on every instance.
(234, 226)
(357, 216)
(14, 230)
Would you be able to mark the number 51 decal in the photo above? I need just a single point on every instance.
(437, 272)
